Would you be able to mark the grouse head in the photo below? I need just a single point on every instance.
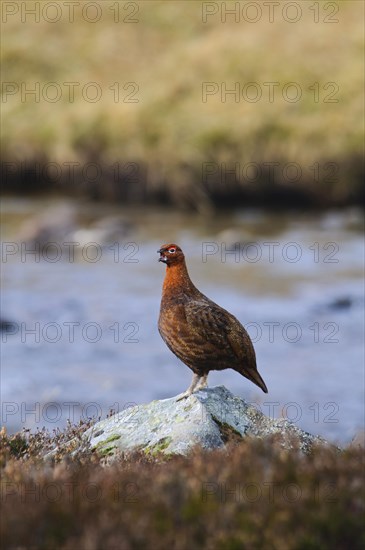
(171, 254)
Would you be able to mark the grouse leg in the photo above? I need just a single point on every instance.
(190, 389)
(203, 382)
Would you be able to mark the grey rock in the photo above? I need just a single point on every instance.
(208, 418)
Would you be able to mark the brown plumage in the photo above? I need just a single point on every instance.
(199, 332)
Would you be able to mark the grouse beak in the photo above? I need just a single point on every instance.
(162, 257)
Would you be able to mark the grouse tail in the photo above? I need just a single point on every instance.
(256, 378)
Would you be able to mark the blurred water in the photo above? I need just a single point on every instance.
(298, 288)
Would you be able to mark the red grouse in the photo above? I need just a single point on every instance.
(199, 332)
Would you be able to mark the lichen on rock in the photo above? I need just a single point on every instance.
(210, 418)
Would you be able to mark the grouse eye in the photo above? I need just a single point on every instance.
(172, 250)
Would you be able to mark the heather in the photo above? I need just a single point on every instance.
(252, 494)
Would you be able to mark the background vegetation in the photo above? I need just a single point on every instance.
(168, 131)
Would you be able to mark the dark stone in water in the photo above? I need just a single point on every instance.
(7, 325)
(343, 302)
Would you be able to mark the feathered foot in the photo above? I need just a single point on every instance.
(191, 389)
(203, 383)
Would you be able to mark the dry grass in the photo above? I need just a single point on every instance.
(170, 132)
(253, 495)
